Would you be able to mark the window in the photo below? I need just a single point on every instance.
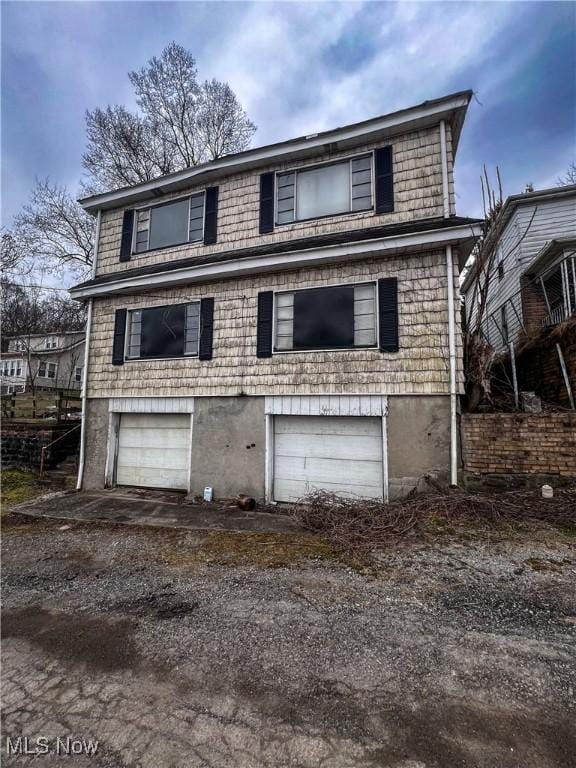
(325, 191)
(51, 342)
(78, 374)
(169, 331)
(336, 317)
(46, 370)
(500, 259)
(504, 321)
(170, 224)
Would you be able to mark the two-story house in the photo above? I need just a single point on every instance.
(531, 281)
(42, 361)
(282, 319)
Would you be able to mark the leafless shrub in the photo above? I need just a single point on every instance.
(360, 525)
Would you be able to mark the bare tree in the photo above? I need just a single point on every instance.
(569, 177)
(15, 255)
(53, 229)
(181, 124)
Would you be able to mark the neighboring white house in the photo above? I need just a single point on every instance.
(532, 283)
(47, 361)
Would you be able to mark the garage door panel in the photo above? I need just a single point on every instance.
(154, 450)
(326, 470)
(331, 425)
(342, 455)
(147, 477)
(152, 457)
(292, 490)
(155, 420)
(354, 447)
(154, 438)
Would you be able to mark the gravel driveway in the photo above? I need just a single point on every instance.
(450, 654)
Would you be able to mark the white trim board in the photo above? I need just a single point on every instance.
(292, 260)
(151, 405)
(326, 405)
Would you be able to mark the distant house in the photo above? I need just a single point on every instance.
(45, 361)
(532, 281)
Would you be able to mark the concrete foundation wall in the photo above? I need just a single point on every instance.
(229, 446)
(418, 441)
(96, 443)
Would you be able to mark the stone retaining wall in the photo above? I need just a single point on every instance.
(22, 443)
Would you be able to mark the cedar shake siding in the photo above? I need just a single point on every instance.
(420, 366)
(417, 194)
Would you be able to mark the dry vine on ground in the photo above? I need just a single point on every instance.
(361, 524)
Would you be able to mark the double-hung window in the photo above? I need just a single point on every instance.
(168, 331)
(46, 370)
(334, 317)
(326, 190)
(51, 342)
(174, 223)
(78, 374)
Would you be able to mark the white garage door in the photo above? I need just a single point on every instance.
(154, 450)
(333, 453)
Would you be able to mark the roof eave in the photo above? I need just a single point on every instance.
(451, 108)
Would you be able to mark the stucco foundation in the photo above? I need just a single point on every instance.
(96, 443)
(229, 446)
(418, 441)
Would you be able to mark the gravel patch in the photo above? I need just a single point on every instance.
(446, 654)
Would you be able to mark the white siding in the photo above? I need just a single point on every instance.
(522, 239)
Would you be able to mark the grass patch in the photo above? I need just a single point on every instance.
(19, 485)
(265, 550)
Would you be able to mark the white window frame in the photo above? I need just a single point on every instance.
(157, 306)
(149, 207)
(326, 349)
(333, 161)
(51, 342)
(78, 374)
(48, 365)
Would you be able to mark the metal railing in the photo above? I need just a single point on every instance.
(48, 445)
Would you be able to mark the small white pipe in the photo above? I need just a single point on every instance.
(444, 163)
(452, 350)
(84, 386)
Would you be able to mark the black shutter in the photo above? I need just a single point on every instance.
(119, 337)
(388, 314)
(211, 216)
(266, 203)
(384, 181)
(206, 329)
(126, 243)
(264, 327)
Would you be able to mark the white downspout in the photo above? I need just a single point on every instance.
(86, 357)
(452, 350)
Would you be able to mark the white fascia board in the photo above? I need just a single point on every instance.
(409, 119)
(291, 260)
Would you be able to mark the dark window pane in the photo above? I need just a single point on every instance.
(169, 224)
(162, 333)
(324, 317)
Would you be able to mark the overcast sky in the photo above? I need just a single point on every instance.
(297, 69)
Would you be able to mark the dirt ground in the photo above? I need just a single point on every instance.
(175, 648)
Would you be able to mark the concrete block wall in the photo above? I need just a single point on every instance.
(519, 444)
